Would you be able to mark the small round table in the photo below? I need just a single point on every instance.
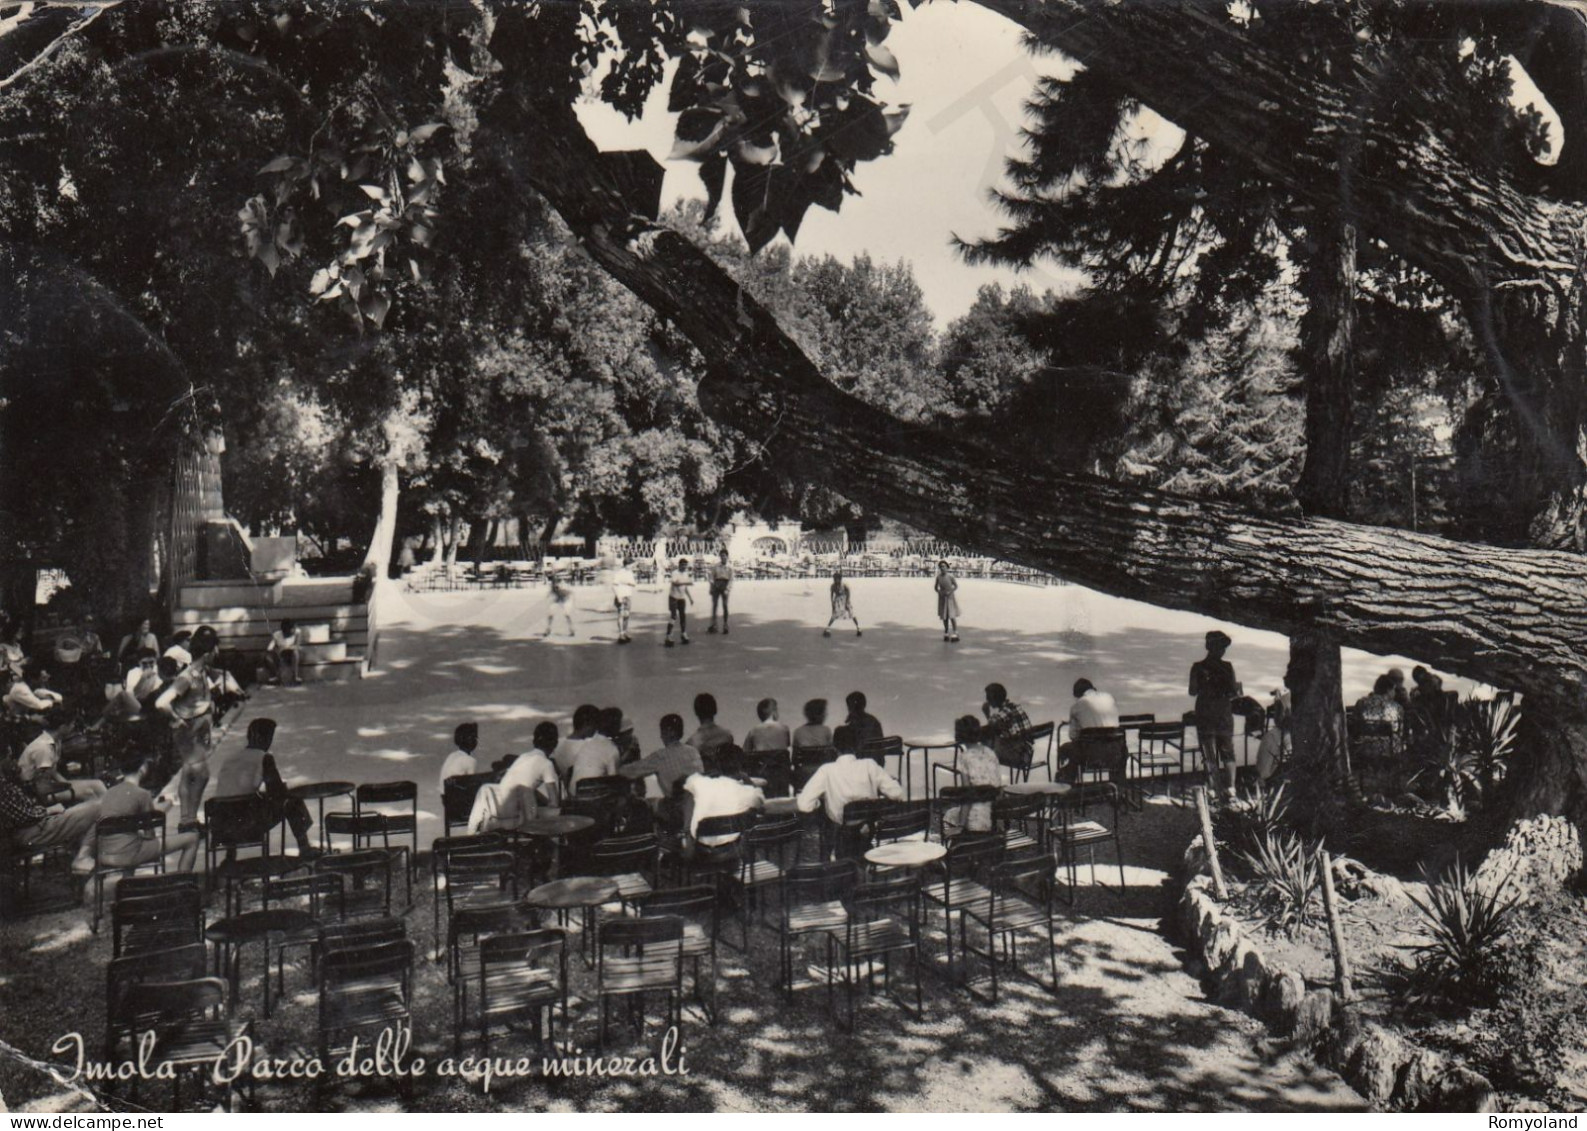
(906, 854)
(229, 936)
(925, 746)
(581, 893)
(319, 792)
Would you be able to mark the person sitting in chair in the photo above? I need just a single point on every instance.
(771, 734)
(978, 765)
(461, 761)
(836, 783)
(529, 782)
(859, 727)
(128, 798)
(672, 765)
(281, 656)
(252, 772)
(710, 735)
(1006, 724)
(1091, 709)
(39, 764)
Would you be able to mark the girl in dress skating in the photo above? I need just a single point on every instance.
(842, 605)
(947, 603)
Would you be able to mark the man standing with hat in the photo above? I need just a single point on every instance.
(1215, 687)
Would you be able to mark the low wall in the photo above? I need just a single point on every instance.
(1390, 1071)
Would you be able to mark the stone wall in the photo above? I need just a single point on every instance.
(1391, 1072)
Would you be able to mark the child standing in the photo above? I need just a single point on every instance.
(842, 605)
(679, 597)
(561, 602)
(947, 587)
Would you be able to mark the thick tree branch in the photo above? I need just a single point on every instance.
(1514, 618)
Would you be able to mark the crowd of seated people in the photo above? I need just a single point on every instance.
(77, 716)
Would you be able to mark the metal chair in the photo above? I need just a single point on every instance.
(373, 804)
(1072, 831)
(765, 856)
(366, 989)
(633, 861)
(138, 825)
(812, 903)
(879, 750)
(852, 836)
(698, 907)
(240, 823)
(177, 964)
(466, 933)
(457, 799)
(957, 798)
(650, 961)
(1021, 898)
(1161, 750)
(190, 1022)
(871, 932)
(907, 820)
(807, 760)
(1021, 820)
(479, 880)
(444, 847)
(774, 767)
(360, 868)
(158, 921)
(1040, 738)
(969, 858)
(523, 976)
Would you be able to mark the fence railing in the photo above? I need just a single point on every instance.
(464, 576)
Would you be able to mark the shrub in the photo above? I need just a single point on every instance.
(1287, 875)
(1243, 825)
(1466, 924)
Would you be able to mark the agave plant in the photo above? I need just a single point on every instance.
(1288, 875)
(1465, 923)
(1490, 731)
(1452, 767)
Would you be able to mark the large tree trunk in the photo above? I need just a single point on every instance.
(1327, 334)
(1511, 617)
(378, 558)
(1317, 728)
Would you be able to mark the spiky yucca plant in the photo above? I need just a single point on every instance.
(1288, 876)
(1465, 924)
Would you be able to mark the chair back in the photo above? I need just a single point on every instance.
(774, 767)
(606, 785)
(1025, 879)
(881, 896)
(136, 824)
(387, 793)
(520, 948)
(156, 922)
(771, 836)
(134, 887)
(470, 874)
(617, 856)
(866, 811)
(359, 867)
(904, 820)
(142, 1006)
(1015, 808)
(818, 881)
(641, 931)
(1106, 750)
(356, 985)
(457, 797)
(176, 964)
(879, 750)
(361, 936)
(237, 822)
(697, 902)
(325, 893)
(443, 848)
(971, 854)
(808, 759)
(733, 824)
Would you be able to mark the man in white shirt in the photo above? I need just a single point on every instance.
(623, 584)
(597, 755)
(1092, 708)
(39, 763)
(530, 780)
(717, 797)
(586, 717)
(461, 761)
(282, 653)
(848, 779)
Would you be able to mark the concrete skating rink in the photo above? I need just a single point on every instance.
(445, 658)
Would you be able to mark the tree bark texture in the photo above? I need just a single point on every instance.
(1319, 755)
(379, 556)
(1327, 334)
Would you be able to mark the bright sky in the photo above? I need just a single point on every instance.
(966, 78)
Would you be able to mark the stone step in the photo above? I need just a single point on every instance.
(240, 617)
(288, 593)
(333, 671)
